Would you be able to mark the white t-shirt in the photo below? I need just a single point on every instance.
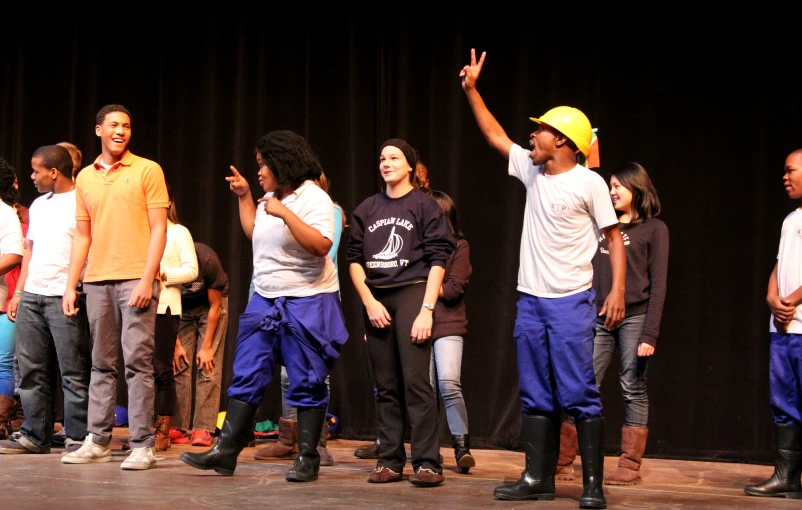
(10, 242)
(563, 216)
(51, 227)
(281, 266)
(789, 266)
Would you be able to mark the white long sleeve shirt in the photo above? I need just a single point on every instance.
(179, 265)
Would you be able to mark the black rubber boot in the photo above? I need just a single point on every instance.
(787, 466)
(540, 445)
(591, 448)
(307, 462)
(462, 452)
(222, 457)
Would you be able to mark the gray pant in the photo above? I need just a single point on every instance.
(191, 332)
(114, 325)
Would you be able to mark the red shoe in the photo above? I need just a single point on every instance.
(178, 436)
(201, 438)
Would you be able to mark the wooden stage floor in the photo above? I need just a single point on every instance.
(42, 482)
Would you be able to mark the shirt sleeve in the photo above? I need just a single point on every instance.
(213, 274)
(81, 212)
(338, 231)
(318, 213)
(519, 165)
(154, 187)
(32, 214)
(658, 272)
(601, 207)
(187, 271)
(438, 241)
(456, 280)
(354, 255)
(10, 234)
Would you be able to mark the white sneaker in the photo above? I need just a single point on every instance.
(139, 458)
(88, 453)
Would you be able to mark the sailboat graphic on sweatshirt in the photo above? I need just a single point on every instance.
(392, 248)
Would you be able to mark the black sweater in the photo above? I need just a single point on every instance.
(646, 245)
(397, 240)
(449, 312)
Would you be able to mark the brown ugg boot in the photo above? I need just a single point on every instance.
(326, 459)
(162, 433)
(8, 407)
(287, 445)
(568, 448)
(633, 444)
(17, 416)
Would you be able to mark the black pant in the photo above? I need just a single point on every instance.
(163, 352)
(401, 371)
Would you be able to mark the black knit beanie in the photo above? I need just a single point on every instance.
(406, 148)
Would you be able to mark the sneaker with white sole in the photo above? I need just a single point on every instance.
(88, 453)
(140, 458)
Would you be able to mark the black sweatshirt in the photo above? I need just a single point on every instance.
(397, 240)
(450, 318)
(646, 245)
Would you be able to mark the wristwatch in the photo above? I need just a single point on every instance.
(428, 306)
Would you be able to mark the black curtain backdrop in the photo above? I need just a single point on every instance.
(710, 112)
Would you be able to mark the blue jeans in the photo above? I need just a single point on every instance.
(444, 372)
(633, 367)
(7, 379)
(49, 340)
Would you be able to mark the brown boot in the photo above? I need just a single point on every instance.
(633, 444)
(8, 407)
(287, 445)
(568, 448)
(326, 459)
(17, 416)
(162, 434)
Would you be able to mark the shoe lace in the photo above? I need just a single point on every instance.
(420, 470)
(85, 449)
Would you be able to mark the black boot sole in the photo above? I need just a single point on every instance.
(789, 495)
(185, 457)
(529, 497)
(300, 477)
(595, 503)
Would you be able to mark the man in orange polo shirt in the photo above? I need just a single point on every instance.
(121, 213)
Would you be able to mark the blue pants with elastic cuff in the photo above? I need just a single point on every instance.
(785, 381)
(554, 341)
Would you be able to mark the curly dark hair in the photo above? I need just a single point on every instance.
(8, 193)
(289, 157)
(110, 108)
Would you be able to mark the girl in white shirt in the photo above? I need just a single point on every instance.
(179, 265)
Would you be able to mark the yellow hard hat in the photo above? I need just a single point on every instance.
(570, 122)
